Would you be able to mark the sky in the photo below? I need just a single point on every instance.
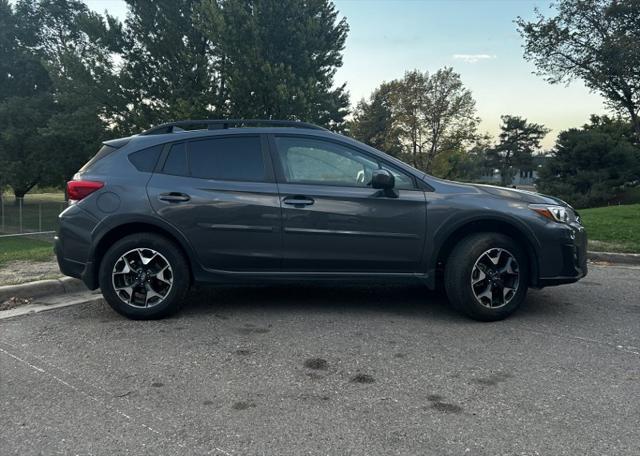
(478, 38)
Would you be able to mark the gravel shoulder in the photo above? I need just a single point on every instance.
(15, 272)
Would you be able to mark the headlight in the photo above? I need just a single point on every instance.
(556, 213)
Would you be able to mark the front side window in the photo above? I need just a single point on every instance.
(312, 161)
(230, 158)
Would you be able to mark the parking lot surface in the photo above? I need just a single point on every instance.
(295, 370)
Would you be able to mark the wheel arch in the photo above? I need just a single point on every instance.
(117, 229)
(488, 225)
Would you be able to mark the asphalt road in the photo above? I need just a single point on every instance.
(330, 371)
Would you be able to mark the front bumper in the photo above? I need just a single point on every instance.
(564, 258)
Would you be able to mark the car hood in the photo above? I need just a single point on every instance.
(520, 195)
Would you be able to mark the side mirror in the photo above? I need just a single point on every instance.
(383, 179)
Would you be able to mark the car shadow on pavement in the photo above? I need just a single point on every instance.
(402, 300)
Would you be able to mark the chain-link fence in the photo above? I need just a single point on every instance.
(33, 216)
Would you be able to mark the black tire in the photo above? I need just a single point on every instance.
(179, 268)
(458, 277)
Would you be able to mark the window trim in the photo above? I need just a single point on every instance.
(282, 178)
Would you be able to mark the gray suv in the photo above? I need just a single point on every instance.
(247, 201)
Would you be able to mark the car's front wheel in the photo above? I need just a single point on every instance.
(486, 276)
(144, 276)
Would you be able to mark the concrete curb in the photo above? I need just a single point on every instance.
(612, 257)
(41, 288)
(52, 302)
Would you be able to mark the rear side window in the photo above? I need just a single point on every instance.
(176, 162)
(145, 160)
(231, 158)
(103, 152)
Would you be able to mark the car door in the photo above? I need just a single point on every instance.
(220, 192)
(333, 221)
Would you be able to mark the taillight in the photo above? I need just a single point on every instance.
(80, 189)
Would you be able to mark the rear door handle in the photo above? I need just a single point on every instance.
(174, 197)
(298, 200)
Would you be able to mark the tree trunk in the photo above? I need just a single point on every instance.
(635, 121)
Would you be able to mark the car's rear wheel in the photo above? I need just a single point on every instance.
(144, 276)
(486, 276)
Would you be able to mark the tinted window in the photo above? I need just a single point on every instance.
(321, 162)
(146, 159)
(231, 158)
(176, 162)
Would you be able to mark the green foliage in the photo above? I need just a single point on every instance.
(232, 59)
(518, 140)
(62, 93)
(591, 165)
(168, 68)
(613, 228)
(422, 115)
(373, 121)
(277, 59)
(597, 41)
(24, 157)
(60, 89)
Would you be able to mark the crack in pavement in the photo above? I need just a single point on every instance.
(93, 397)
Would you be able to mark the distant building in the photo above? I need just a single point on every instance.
(521, 177)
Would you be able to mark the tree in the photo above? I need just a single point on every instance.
(597, 41)
(168, 70)
(25, 104)
(373, 123)
(466, 164)
(58, 90)
(429, 115)
(23, 153)
(518, 140)
(590, 165)
(278, 59)
(76, 46)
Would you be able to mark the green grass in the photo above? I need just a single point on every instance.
(613, 228)
(39, 212)
(23, 248)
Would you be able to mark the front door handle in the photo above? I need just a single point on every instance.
(298, 200)
(174, 197)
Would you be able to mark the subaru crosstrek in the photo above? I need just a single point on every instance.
(239, 201)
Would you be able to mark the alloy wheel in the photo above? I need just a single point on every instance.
(495, 278)
(142, 277)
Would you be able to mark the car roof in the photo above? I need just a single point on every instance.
(137, 142)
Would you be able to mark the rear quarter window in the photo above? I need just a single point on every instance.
(145, 160)
(102, 153)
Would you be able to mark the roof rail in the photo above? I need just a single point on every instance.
(215, 124)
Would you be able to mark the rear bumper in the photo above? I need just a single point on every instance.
(80, 270)
(72, 245)
(564, 260)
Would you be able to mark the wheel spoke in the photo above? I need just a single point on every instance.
(487, 293)
(505, 292)
(480, 277)
(495, 260)
(508, 268)
(150, 294)
(160, 275)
